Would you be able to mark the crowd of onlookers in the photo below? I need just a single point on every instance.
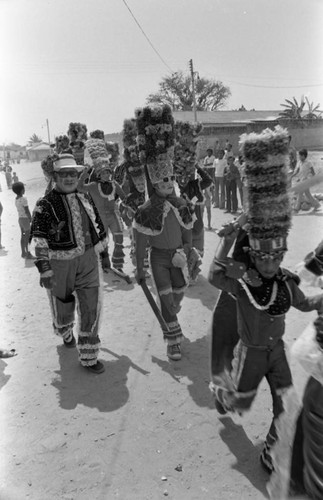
(227, 172)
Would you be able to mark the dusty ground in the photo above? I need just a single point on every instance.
(146, 429)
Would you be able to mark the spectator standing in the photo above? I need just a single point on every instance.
(304, 170)
(231, 176)
(219, 189)
(24, 218)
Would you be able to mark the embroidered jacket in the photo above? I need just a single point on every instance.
(58, 224)
(258, 327)
(150, 217)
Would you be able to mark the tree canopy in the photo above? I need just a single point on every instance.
(176, 90)
(33, 139)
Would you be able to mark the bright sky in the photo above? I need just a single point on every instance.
(88, 61)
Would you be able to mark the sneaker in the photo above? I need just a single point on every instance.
(71, 343)
(97, 368)
(174, 352)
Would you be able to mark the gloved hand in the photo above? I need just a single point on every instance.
(140, 276)
(46, 282)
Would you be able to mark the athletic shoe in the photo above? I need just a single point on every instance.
(97, 368)
(71, 343)
(174, 352)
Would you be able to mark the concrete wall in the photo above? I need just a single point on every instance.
(306, 135)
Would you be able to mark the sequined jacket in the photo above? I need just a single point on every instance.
(57, 220)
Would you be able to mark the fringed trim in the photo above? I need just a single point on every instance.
(174, 332)
(166, 291)
(281, 452)
(166, 208)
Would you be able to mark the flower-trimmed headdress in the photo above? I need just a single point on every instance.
(268, 204)
(62, 144)
(97, 134)
(113, 153)
(155, 140)
(186, 138)
(77, 133)
(132, 165)
(99, 155)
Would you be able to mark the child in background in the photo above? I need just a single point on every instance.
(15, 177)
(24, 218)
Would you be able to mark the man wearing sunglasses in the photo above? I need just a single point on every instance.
(68, 235)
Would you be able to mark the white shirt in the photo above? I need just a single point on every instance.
(208, 161)
(219, 165)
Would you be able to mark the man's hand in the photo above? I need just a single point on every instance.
(46, 282)
(140, 276)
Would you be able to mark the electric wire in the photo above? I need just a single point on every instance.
(148, 40)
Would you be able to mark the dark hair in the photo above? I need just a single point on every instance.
(18, 187)
(209, 149)
(303, 152)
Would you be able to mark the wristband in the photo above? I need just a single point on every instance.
(43, 266)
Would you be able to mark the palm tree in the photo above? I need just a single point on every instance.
(34, 139)
(293, 109)
(314, 112)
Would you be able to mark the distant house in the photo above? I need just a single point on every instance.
(223, 125)
(38, 151)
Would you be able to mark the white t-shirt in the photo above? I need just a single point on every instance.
(219, 165)
(21, 203)
(208, 161)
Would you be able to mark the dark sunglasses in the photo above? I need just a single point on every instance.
(63, 174)
(169, 178)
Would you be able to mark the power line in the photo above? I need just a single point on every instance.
(275, 86)
(150, 43)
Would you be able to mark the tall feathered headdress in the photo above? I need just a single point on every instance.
(155, 140)
(132, 165)
(77, 133)
(99, 154)
(186, 138)
(268, 205)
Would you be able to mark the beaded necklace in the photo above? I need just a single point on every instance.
(252, 299)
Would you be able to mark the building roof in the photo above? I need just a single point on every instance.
(39, 146)
(226, 117)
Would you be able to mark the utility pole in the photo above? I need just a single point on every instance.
(193, 89)
(48, 131)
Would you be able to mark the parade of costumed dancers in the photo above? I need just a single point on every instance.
(298, 453)
(105, 192)
(261, 290)
(69, 239)
(164, 222)
(77, 134)
(191, 187)
(134, 178)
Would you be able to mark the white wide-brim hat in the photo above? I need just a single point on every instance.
(66, 161)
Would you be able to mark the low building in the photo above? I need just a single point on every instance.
(38, 151)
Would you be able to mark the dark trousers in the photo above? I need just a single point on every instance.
(232, 199)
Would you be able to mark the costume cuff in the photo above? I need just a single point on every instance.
(43, 266)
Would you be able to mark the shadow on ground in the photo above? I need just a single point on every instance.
(246, 453)
(202, 290)
(195, 366)
(78, 386)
